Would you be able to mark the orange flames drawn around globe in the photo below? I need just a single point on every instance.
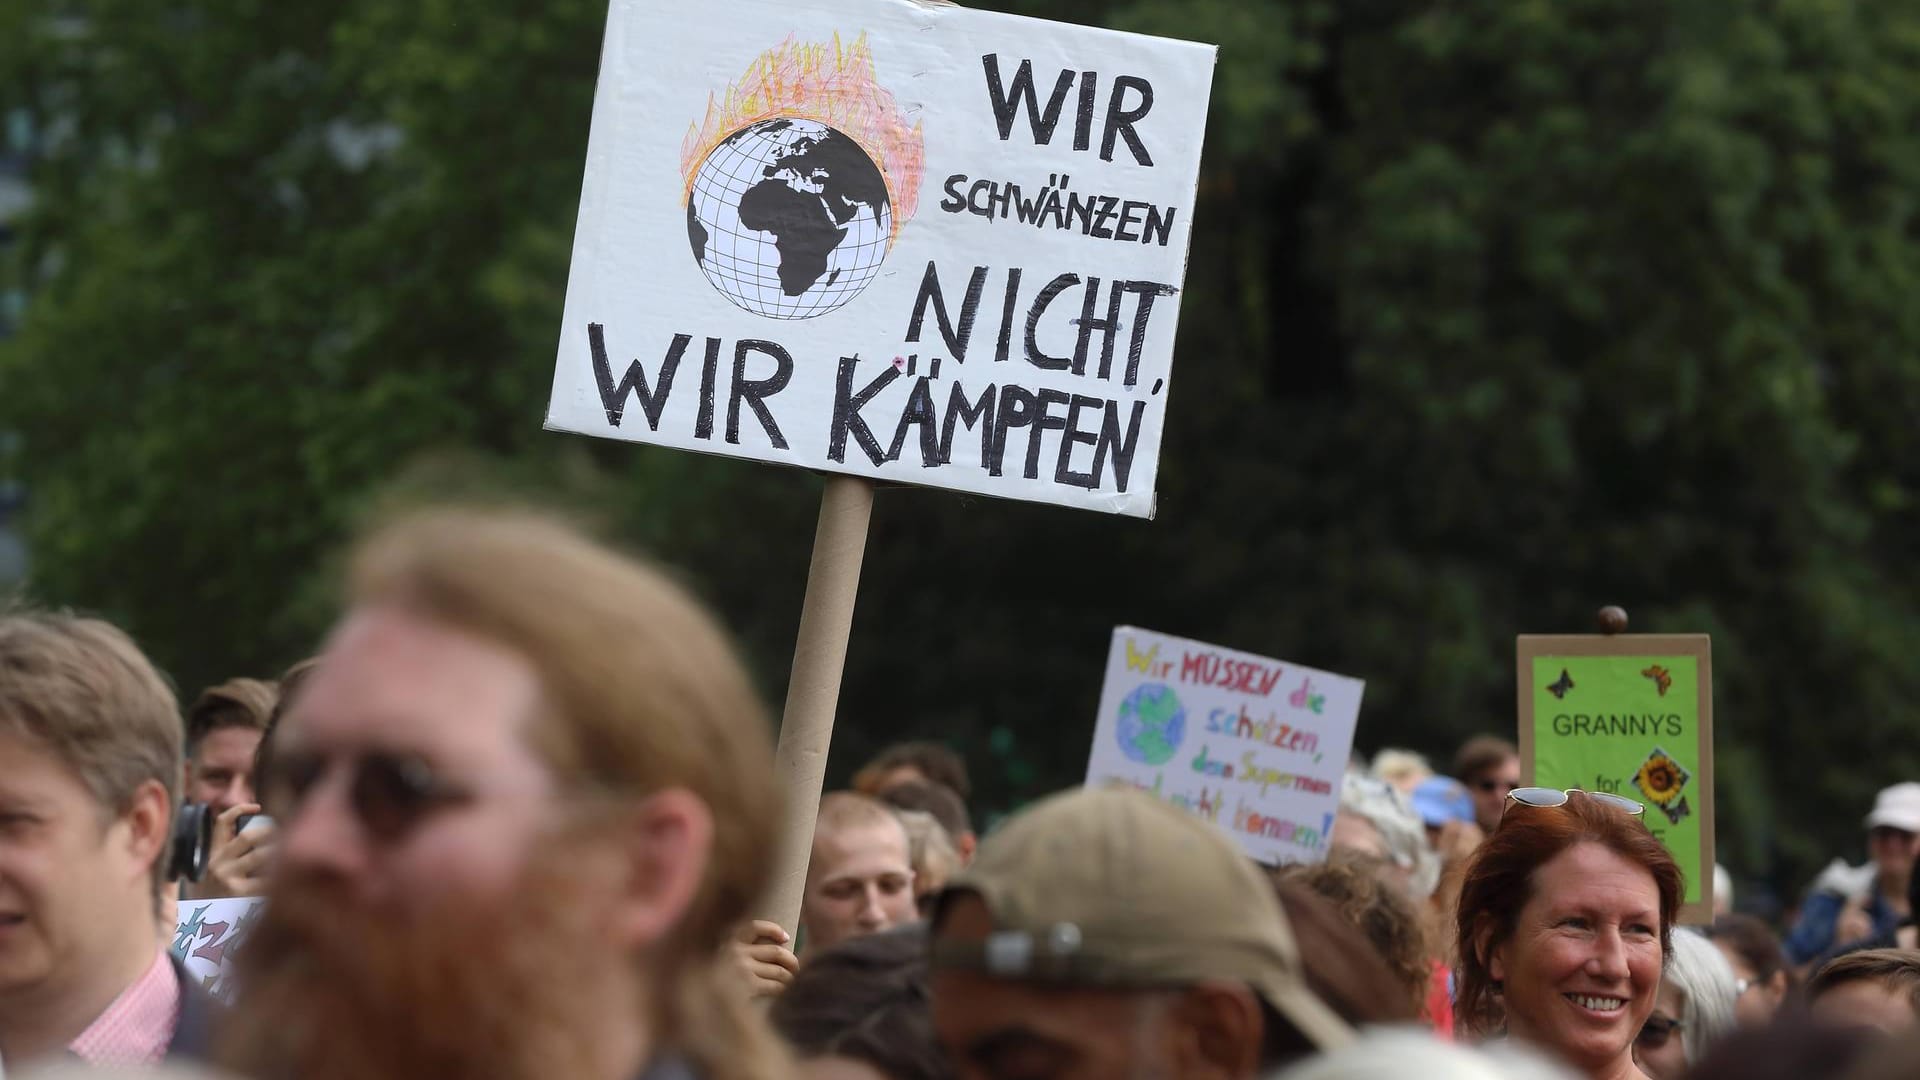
(831, 84)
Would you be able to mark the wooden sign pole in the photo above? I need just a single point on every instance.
(813, 690)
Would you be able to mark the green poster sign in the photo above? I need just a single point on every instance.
(1611, 717)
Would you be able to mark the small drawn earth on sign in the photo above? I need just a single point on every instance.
(1152, 724)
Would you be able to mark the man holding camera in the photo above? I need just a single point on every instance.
(224, 727)
(90, 760)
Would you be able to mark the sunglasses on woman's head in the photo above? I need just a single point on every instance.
(1656, 1031)
(389, 793)
(1552, 797)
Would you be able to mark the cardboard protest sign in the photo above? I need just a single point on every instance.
(205, 936)
(905, 242)
(1633, 715)
(1254, 745)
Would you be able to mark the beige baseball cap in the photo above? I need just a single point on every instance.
(1113, 888)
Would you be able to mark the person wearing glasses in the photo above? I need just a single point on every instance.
(1565, 921)
(90, 770)
(522, 800)
(1490, 767)
(1693, 1011)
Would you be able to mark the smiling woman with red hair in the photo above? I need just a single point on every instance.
(1566, 918)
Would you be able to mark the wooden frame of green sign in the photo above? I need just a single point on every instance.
(1654, 663)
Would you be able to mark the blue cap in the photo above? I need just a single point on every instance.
(1441, 799)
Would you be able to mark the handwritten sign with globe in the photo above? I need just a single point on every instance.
(1152, 724)
(912, 242)
(1257, 746)
(789, 218)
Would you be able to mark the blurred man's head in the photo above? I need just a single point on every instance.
(859, 1012)
(522, 799)
(860, 879)
(1105, 934)
(90, 756)
(1873, 988)
(909, 761)
(1490, 767)
(291, 681)
(946, 807)
(224, 726)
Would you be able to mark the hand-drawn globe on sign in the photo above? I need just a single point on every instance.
(789, 218)
(1152, 723)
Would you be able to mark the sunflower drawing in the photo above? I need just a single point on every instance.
(1664, 781)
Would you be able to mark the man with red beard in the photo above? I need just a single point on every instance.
(520, 804)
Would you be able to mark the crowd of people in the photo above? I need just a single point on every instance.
(515, 817)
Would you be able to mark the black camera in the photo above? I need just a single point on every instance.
(192, 842)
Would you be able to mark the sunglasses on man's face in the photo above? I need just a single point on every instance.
(1552, 797)
(389, 793)
(1656, 1031)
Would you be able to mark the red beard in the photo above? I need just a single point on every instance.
(508, 993)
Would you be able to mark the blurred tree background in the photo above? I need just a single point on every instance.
(1498, 311)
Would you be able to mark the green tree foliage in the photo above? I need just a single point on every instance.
(1497, 311)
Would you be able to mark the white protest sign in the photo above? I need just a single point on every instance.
(906, 242)
(1254, 745)
(205, 936)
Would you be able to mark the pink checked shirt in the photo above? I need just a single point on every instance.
(137, 1027)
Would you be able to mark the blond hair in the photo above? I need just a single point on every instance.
(642, 692)
(930, 851)
(1404, 769)
(842, 810)
(851, 810)
(82, 690)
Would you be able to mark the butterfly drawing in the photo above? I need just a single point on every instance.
(1660, 678)
(1560, 687)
